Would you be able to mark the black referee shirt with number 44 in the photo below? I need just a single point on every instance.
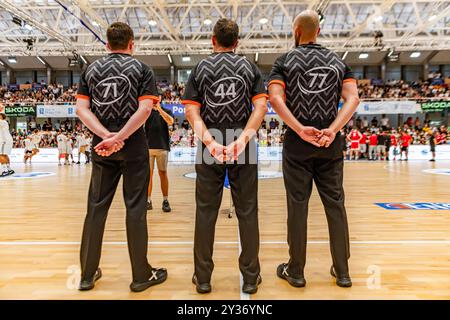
(312, 77)
(115, 84)
(224, 85)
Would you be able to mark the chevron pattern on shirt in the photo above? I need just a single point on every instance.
(314, 83)
(113, 82)
(225, 81)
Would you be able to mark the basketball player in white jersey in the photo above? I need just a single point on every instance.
(28, 149)
(69, 148)
(88, 147)
(35, 141)
(81, 145)
(6, 144)
(61, 140)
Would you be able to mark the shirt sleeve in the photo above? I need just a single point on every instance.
(191, 93)
(258, 90)
(148, 89)
(277, 73)
(83, 88)
(348, 74)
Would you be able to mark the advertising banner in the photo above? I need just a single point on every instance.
(56, 111)
(388, 107)
(178, 109)
(17, 110)
(433, 106)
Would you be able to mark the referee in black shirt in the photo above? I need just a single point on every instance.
(218, 100)
(115, 97)
(305, 87)
(157, 132)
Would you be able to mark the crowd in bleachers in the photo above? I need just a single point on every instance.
(433, 87)
(41, 93)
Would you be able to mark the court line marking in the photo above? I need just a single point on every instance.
(50, 243)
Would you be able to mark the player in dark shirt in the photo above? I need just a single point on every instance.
(218, 100)
(115, 97)
(157, 132)
(305, 87)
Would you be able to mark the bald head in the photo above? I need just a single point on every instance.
(306, 26)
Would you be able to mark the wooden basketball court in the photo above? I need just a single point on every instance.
(396, 254)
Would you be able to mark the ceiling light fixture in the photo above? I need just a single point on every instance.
(41, 60)
(363, 55)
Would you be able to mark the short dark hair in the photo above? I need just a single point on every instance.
(119, 35)
(226, 32)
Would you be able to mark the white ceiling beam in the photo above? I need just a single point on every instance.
(31, 20)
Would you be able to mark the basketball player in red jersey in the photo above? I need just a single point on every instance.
(354, 136)
(394, 144)
(405, 140)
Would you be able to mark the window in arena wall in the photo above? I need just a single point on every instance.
(183, 75)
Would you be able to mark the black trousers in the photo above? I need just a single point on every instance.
(132, 163)
(243, 179)
(304, 163)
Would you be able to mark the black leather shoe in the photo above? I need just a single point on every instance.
(201, 287)
(252, 288)
(86, 285)
(149, 205)
(166, 206)
(342, 281)
(159, 275)
(295, 280)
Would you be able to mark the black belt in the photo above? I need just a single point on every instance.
(319, 124)
(114, 123)
(227, 125)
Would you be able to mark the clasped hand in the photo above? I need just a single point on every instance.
(318, 138)
(110, 144)
(230, 152)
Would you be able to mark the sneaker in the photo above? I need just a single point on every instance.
(4, 174)
(159, 275)
(149, 205)
(295, 280)
(201, 287)
(166, 206)
(86, 285)
(252, 288)
(343, 281)
(11, 172)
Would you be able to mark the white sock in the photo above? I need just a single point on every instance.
(149, 199)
